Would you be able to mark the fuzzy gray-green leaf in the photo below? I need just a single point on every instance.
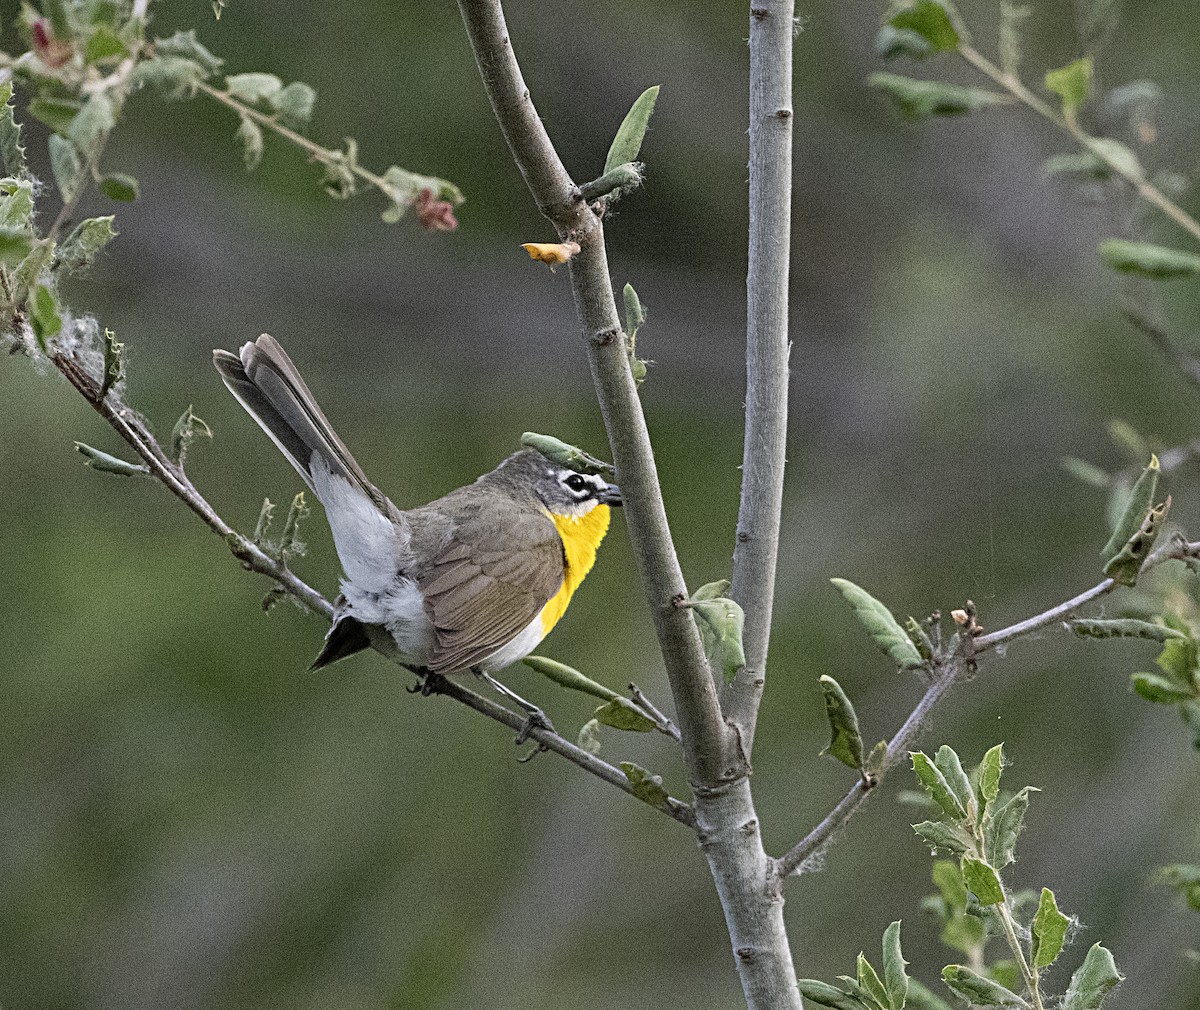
(845, 742)
(870, 982)
(98, 460)
(1160, 690)
(1094, 980)
(1072, 83)
(12, 154)
(917, 99)
(721, 622)
(883, 628)
(565, 454)
(891, 42)
(81, 247)
(824, 995)
(990, 770)
(621, 713)
(646, 787)
(186, 430)
(1139, 503)
(1002, 826)
(1122, 627)
(250, 136)
(1148, 260)
(947, 762)
(1049, 931)
(253, 88)
(933, 20)
(982, 881)
(186, 45)
(294, 104)
(1124, 567)
(628, 141)
(569, 677)
(934, 783)
(66, 166)
(589, 737)
(114, 362)
(941, 837)
(895, 978)
(979, 990)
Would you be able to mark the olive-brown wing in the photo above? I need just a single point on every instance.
(493, 576)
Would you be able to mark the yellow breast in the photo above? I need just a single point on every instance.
(581, 535)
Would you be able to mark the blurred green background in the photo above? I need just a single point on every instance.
(189, 819)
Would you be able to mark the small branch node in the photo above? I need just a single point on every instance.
(759, 13)
(783, 114)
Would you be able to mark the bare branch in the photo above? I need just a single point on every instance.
(711, 752)
(792, 861)
(132, 429)
(765, 448)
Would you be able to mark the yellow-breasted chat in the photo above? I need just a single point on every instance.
(471, 581)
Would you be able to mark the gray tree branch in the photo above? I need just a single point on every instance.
(710, 752)
(764, 453)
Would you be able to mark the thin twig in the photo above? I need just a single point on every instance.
(661, 722)
(793, 860)
(172, 476)
(709, 747)
(764, 452)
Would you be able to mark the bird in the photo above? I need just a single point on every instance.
(472, 581)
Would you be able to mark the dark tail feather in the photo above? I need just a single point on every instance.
(345, 638)
(267, 384)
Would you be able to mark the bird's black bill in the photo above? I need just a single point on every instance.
(611, 495)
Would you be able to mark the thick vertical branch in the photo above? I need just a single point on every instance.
(765, 449)
(710, 752)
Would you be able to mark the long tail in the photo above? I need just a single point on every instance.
(268, 385)
(371, 534)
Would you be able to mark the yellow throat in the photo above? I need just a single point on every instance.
(581, 535)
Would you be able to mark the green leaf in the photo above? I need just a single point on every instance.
(120, 187)
(60, 23)
(1001, 827)
(98, 460)
(294, 104)
(1125, 627)
(105, 44)
(15, 244)
(919, 637)
(947, 762)
(43, 314)
(891, 42)
(265, 515)
(56, 113)
(12, 154)
(825, 995)
(114, 362)
(67, 167)
(721, 621)
(1161, 690)
(918, 99)
(565, 454)
(885, 632)
(628, 141)
(895, 978)
(94, 121)
(948, 878)
(870, 982)
(569, 677)
(173, 77)
(289, 543)
(81, 247)
(635, 312)
(989, 774)
(979, 990)
(1141, 499)
(930, 19)
(187, 46)
(646, 787)
(614, 183)
(941, 837)
(187, 429)
(621, 713)
(1089, 165)
(1179, 660)
(934, 783)
(253, 88)
(589, 737)
(1127, 564)
(845, 744)
(1011, 17)
(1072, 83)
(982, 881)
(1185, 879)
(1049, 931)
(16, 204)
(1147, 260)
(250, 136)
(1115, 155)
(1096, 977)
